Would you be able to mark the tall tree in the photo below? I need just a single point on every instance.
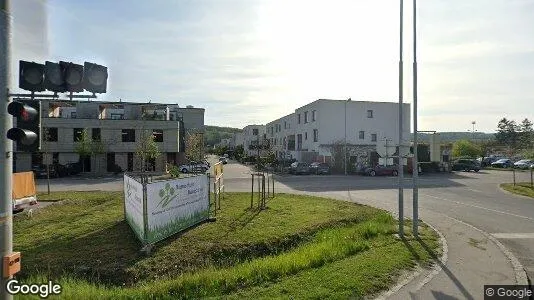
(508, 133)
(193, 146)
(83, 147)
(527, 134)
(465, 148)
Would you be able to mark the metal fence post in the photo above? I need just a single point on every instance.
(513, 171)
(531, 181)
(252, 192)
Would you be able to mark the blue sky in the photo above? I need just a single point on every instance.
(252, 61)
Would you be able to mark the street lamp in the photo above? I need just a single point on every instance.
(345, 148)
(473, 131)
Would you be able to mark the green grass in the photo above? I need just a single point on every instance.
(246, 253)
(522, 188)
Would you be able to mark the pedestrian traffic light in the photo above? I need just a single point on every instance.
(73, 76)
(26, 132)
(95, 77)
(31, 76)
(54, 77)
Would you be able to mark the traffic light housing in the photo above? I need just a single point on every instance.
(73, 76)
(27, 131)
(54, 77)
(95, 77)
(31, 76)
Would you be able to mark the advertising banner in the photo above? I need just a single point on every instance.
(175, 205)
(133, 205)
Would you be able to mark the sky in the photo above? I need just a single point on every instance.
(253, 61)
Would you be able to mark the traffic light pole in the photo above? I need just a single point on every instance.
(6, 146)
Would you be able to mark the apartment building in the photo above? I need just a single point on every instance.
(251, 136)
(313, 131)
(118, 127)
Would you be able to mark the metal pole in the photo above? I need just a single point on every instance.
(513, 171)
(345, 148)
(6, 146)
(252, 192)
(415, 168)
(401, 169)
(531, 179)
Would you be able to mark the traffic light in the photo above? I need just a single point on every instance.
(31, 76)
(73, 76)
(26, 133)
(95, 77)
(54, 77)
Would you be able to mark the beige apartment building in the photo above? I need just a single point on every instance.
(118, 127)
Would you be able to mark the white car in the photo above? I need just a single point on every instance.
(523, 164)
(194, 167)
(223, 159)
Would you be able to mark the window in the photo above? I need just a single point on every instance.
(55, 158)
(315, 135)
(285, 124)
(96, 134)
(158, 135)
(299, 118)
(254, 131)
(128, 135)
(305, 117)
(305, 135)
(117, 116)
(73, 115)
(272, 129)
(362, 135)
(51, 134)
(373, 137)
(313, 115)
(370, 113)
(78, 132)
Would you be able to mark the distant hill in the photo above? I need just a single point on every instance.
(455, 136)
(214, 134)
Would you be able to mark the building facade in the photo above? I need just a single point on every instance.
(115, 131)
(251, 137)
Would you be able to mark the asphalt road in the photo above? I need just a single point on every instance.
(474, 198)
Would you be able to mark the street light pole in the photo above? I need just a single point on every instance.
(6, 146)
(345, 140)
(415, 166)
(400, 166)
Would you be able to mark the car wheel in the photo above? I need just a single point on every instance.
(476, 170)
(372, 173)
(395, 173)
(184, 170)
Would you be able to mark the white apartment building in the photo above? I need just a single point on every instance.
(119, 126)
(314, 130)
(251, 136)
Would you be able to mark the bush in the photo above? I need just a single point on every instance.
(174, 171)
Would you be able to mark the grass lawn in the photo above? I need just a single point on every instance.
(522, 188)
(300, 246)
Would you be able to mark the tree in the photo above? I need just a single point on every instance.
(97, 147)
(193, 146)
(147, 148)
(239, 152)
(507, 133)
(83, 147)
(527, 134)
(465, 148)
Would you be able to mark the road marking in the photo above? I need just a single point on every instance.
(481, 207)
(513, 235)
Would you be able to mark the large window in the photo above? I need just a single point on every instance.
(305, 117)
(255, 131)
(96, 134)
(78, 132)
(158, 135)
(306, 135)
(50, 134)
(361, 135)
(315, 135)
(299, 118)
(128, 135)
(313, 115)
(370, 113)
(117, 116)
(373, 137)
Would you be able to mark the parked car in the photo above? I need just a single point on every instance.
(61, 170)
(194, 167)
(42, 172)
(299, 168)
(223, 159)
(523, 164)
(73, 168)
(502, 163)
(382, 170)
(466, 165)
(319, 168)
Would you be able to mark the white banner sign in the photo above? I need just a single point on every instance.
(175, 205)
(133, 202)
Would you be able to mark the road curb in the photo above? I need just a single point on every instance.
(436, 268)
(521, 277)
(513, 194)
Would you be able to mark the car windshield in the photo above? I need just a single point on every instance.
(503, 160)
(523, 161)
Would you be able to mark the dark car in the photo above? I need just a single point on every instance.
(502, 163)
(73, 168)
(382, 170)
(41, 171)
(61, 170)
(299, 168)
(466, 165)
(319, 168)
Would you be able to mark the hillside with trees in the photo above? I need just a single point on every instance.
(214, 134)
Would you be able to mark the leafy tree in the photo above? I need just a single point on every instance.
(147, 148)
(239, 152)
(507, 133)
(83, 147)
(465, 148)
(527, 134)
(193, 146)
